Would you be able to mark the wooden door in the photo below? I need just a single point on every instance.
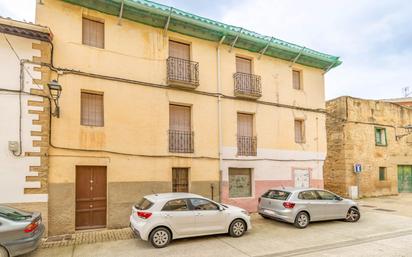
(180, 180)
(91, 197)
(179, 50)
(404, 178)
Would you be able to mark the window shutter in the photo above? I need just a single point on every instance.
(245, 124)
(299, 131)
(92, 109)
(378, 136)
(93, 33)
(179, 50)
(180, 118)
(243, 65)
(296, 80)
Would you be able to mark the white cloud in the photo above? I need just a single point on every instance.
(23, 10)
(371, 37)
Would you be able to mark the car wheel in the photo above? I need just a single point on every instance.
(160, 237)
(301, 220)
(237, 228)
(3, 252)
(353, 215)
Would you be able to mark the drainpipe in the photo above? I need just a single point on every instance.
(219, 115)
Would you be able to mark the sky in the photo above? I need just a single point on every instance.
(372, 38)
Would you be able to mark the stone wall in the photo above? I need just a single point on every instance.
(351, 139)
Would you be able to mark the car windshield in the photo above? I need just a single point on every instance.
(14, 214)
(276, 194)
(143, 204)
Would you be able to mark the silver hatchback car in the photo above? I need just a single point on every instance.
(20, 231)
(301, 206)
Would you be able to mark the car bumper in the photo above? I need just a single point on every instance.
(283, 215)
(26, 245)
(139, 228)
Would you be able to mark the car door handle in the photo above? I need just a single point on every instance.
(198, 214)
(166, 215)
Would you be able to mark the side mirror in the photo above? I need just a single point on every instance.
(338, 198)
(221, 208)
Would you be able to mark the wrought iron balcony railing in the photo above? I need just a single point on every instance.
(246, 146)
(181, 72)
(247, 85)
(181, 141)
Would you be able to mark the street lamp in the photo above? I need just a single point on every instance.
(55, 91)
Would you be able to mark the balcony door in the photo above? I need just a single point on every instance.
(180, 129)
(245, 140)
(243, 65)
(179, 50)
(179, 62)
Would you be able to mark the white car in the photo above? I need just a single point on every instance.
(163, 217)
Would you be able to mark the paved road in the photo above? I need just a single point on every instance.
(378, 233)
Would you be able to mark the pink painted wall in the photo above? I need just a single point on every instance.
(250, 203)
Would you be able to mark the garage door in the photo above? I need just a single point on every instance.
(404, 178)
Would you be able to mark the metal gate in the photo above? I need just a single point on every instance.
(404, 178)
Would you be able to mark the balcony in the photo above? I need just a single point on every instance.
(247, 85)
(181, 141)
(182, 73)
(246, 146)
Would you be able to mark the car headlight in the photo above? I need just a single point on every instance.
(245, 212)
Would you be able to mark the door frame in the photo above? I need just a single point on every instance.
(301, 168)
(75, 196)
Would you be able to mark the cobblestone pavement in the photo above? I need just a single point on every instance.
(88, 237)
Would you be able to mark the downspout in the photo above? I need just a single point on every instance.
(219, 115)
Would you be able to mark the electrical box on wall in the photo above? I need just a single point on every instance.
(14, 146)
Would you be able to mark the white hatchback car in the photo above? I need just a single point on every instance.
(163, 217)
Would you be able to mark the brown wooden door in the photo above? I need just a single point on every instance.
(179, 50)
(90, 197)
(243, 65)
(244, 124)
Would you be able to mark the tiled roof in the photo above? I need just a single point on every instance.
(25, 29)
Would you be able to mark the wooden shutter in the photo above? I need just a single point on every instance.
(93, 33)
(296, 79)
(179, 118)
(299, 131)
(243, 65)
(180, 179)
(179, 50)
(92, 109)
(244, 124)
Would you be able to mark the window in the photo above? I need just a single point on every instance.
(276, 194)
(243, 65)
(326, 195)
(180, 134)
(143, 204)
(382, 173)
(299, 131)
(308, 195)
(297, 84)
(92, 109)
(176, 205)
(203, 205)
(240, 183)
(180, 180)
(380, 136)
(93, 33)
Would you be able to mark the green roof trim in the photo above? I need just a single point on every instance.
(156, 15)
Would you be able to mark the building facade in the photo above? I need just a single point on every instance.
(404, 101)
(156, 100)
(375, 134)
(24, 119)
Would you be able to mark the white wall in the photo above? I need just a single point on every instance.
(13, 170)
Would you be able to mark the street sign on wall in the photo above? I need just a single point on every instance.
(357, 168)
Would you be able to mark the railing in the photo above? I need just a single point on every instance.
(182, 71)
(181, 141)
(246, 146)
(247, 85)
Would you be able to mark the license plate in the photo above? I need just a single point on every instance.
(269, 212)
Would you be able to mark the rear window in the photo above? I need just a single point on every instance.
(14, 214)
(276, 195)
(144, 204)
